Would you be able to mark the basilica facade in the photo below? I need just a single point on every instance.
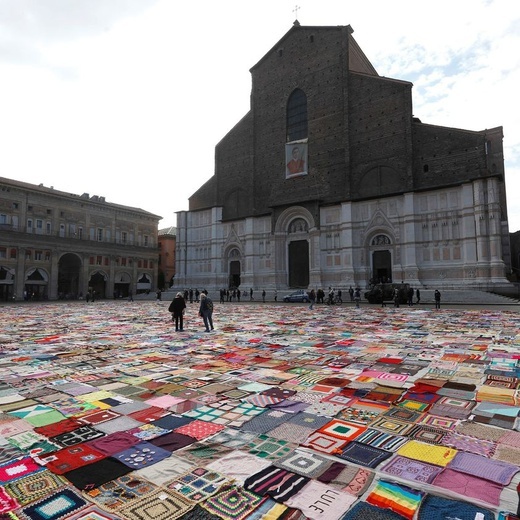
(330, 180)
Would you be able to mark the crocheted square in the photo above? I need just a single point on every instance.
(197, 484)
(268, 447)
(18, 469)
(319, 501)
(439, 455)
(325, 443)
(342, 429)
(119, 492)
(391, 425)
(382, 440)
(34, 487)
(304, 463)
(364, 455)
(469, 486)
(412, 470)
(364, 511)
(141, 455)
(400, 499)
(161, 505)
(350, 479)
(434, 508)
(55, 507)
(278, 483)
(232, 503)
(489, 469)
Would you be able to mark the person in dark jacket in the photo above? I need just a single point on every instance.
(177, 308)
(437, 296)
(206, 311)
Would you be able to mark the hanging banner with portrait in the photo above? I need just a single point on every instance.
(296, 158)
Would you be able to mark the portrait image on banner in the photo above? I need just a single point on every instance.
(296, 159)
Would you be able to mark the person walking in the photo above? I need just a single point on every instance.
(251, 295)
(418, 295)
(206, 311)
(351, 293)
(177, 308)
(410, 296)
(437, 297)
(357, 296)
(275, 295)
(312, 299)
(395, 297)
(263, 295)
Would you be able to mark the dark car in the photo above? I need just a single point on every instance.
(297, 296)
(385, 291)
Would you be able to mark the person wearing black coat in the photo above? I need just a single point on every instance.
(177, 307)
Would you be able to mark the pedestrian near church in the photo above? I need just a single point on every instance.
(177, 308)
(351, 293)
(357, 296)
(437, 297)
(263, 295)
(410, 296)
(206, 311)
(418, 295)
(312, 298)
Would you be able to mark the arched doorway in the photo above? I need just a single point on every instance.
(144, 283)
(69, 269)
(381, 259)
(36, 282)
(6, 284)
(298, 254)
(97, 284)
(234, 269)
(122, 285)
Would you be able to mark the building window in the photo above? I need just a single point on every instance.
(139, 264)
(123, 261)
(80, 233)
(39, 226)
(29, 226)
(99, 260)
(47, 256)
(38, 255)
(14, 253)
(3, 219)
(297, 127)
(91, 260)
(48, 226)
(62, 230)
(15, 205)
(27, 254)
(106, 260)
(3, 252)
(124, 237)
(100, 235)
(145, 240)
(145, 264)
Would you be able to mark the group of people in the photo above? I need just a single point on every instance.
(178, 309)
(178, 305)
(333, 296)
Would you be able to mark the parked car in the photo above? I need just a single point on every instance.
(384, 292)
(297, 296)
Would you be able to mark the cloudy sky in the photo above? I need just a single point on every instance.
(127, 99)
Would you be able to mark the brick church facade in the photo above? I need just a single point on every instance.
(330, 180)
